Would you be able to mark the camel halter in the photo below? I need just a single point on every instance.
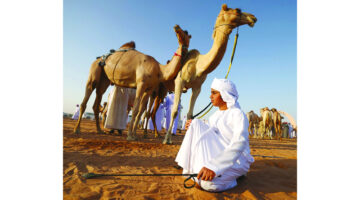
(191, 176)
(232, 57)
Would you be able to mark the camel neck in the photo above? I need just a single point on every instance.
(171, 69)
(212, 59)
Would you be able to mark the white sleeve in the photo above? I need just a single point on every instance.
(238, 143)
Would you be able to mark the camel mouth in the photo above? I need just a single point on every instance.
(252, 21)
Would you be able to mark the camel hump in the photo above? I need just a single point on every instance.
(130, 44)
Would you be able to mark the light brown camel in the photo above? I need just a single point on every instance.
(158, 96)
(99, 81)
(276, 117)
(134, 69)
(267, 121)
(197, 66)
(254, 120)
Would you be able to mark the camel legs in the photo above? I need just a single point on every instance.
(90, 86)
(147, 115)
(142, 108)
(140, 90)
(100, 90)
(179, 85)
(153, 115)
(250, 129)
(194, 95)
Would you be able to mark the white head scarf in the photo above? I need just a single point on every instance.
(227, 91)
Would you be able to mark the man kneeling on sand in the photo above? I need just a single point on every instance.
(218, 150)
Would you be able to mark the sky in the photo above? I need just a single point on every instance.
(264, 68)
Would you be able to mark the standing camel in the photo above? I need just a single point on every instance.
(254, 120)
(129, 68)
(276, 117)
(159, 94)
(134, 69)
(197, 66)
(99, 81)
(267, 122)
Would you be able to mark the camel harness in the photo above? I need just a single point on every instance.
(105, 56)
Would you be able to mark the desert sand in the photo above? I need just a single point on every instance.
(273, 177)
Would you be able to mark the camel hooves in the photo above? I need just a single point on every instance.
(167, 142)
(77, 131)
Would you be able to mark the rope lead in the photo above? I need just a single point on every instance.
(191, 176)
(227, 74)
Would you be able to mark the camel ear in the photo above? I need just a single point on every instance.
(224, 7)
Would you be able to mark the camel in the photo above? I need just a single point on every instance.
(197, 66)
(276, 117)
(254, 120)
(134, 70)
(99, 81)
(267, 122)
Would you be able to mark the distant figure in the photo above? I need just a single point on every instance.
(158, 118)
(117, 109)
(169, 102)
(285, 130)
(291, 135)
(77, 112)
(183, 123)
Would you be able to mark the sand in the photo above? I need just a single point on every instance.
(268, 178)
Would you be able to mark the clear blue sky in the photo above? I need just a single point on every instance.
(265, 63)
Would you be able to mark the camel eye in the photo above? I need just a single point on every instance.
(238, 11)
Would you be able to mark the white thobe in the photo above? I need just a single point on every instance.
(76, 114)
(169, 102)
(158, 117)
(183, 123)
(117, 108)
(222, 146)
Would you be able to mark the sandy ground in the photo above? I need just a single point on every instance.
(268, 178)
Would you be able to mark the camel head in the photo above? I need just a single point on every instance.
(233, 18)
(183, 37)
(262, 110)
